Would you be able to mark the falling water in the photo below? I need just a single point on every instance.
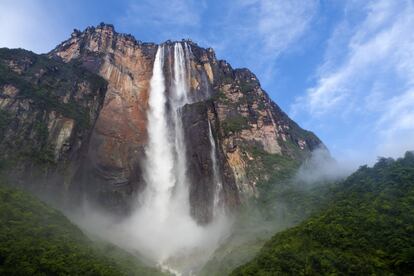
(161, 228)
(216, 175)
(165, 171)
(178, 99)
(159, 173)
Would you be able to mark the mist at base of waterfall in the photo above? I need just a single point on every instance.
(177, 244)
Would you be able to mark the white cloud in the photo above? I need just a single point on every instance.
(280, 23)
(374, 83)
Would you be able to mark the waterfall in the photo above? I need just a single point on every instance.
(161, 228)
(165, 170)
(178, 99)
(165, 227)
(159, 174)
(216, 175)
(180, 75)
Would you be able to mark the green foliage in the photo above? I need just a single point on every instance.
(5, 119)
(41, 153)
(275, 184)
(221, 97)
(246, 87)
(45, 99)
(261, 105)
(249, 96)
(279, 166)
(41, 131)
(367, 229)
(38, 240)
(42, 156)
(227, 79)
(45, 80)
(234, 124)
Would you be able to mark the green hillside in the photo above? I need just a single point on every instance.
(35, 239)
(366, 229)
(283, 202)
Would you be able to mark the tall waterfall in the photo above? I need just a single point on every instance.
(216, 175)
(165, 169)
(159, 170)
(165, 203)
(178, 99)
(161, 228)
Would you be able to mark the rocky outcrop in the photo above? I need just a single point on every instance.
(110, 151)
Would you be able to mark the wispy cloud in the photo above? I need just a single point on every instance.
(396, 125)
(374, 82)
(266, 29)
(280, 23)
(257, 32)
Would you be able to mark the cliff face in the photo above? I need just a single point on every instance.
(47, 110)
(112, 166)
(242, 117)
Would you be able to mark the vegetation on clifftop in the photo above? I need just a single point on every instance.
(46, 81)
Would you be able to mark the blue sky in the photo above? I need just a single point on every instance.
(343, 69)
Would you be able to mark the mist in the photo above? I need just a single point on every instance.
(177, 245)
(321, 167)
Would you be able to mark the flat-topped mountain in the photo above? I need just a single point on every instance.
(77, 122)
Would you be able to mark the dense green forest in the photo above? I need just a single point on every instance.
(367, 228)
(35, 239)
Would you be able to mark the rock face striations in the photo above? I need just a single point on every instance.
(99, 147)
(47, 109)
